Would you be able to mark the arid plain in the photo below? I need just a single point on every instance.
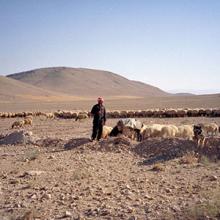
(61, 175)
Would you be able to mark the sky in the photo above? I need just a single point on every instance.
(171, 44)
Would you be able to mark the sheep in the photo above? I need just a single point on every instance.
(28, 121)
(148, 131)
(181, 113)
(211, 128)
(69, 114)
(170, 113)
(81, 116)
(131, 113)
(123, 114)
(215, 113)
(49, 115)
(106, 131)
(185, 131)
(169, 131)
(129, 127)
(17, 124)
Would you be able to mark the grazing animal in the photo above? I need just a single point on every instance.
(150, 131)
(209, 129)
(81, 116)
(28, 121)
(129, 127)
(17, 124)
(115, 132)
(185, 131)
(169, 131)
(106, 131)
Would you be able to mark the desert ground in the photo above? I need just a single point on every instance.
(113, 103)
(64, 176)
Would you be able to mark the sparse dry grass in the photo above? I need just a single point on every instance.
(203, 159)
(189, 158)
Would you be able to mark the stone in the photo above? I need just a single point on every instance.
(47, 196)
(168, 190)
(68, 214)
(33, 172)
(146, 196)
(34, 196)
(213, 178)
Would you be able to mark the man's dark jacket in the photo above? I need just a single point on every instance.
(99, 113)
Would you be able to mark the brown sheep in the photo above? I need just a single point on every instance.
(211, 128)
(17, 124)
(81, 116)
(28, 121)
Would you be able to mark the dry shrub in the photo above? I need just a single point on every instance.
(189, 158)
(205, 160)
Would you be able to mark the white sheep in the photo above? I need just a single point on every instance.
(185, 131)
(169, 131)
(148, 131)
(106, 131)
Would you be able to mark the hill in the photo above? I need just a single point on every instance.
(86, 82)
(12, 90)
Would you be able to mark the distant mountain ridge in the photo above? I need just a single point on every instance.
(86, 82)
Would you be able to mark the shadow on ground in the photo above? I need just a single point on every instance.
(159, 150)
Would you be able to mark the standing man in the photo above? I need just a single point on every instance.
(99, 119)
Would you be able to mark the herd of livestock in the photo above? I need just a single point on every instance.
(139, 131)
(154, 113)
(131, 127)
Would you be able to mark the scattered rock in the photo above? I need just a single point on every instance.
(18, 137)
(213, 178)
(67, 214)
(146, 196)
(168, 190)
(34, 196)
(33, 173)
(47, 196)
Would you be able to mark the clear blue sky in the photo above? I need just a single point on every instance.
(172, 44)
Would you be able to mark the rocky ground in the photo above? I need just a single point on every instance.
(59, 174)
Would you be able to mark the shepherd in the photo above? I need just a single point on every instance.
(99, 118)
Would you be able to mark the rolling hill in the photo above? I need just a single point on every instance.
(12, 90)
(86, 82)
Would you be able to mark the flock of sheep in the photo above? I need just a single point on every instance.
(197, 132)
(157, 113)
(140, 132)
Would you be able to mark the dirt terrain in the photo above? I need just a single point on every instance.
(64, 176)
